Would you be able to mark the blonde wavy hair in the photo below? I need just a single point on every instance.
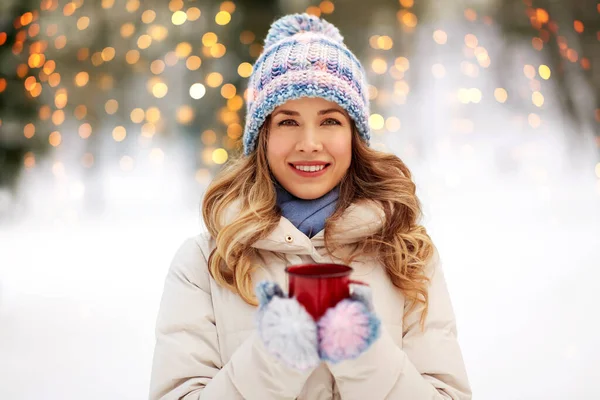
(402, 245)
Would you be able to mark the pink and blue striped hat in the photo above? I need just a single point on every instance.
(305, 56)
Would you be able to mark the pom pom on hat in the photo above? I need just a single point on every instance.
(296, 23)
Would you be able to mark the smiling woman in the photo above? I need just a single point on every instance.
(308, 189)
(309, 146)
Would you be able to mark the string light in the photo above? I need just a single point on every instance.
(144, 41)
(160, 90)
(58, 117)
(29, 160)
(185, 115)
(385, 42)
(153, 115)
(119, 133)
(29, 130)
(376, 121)
(209, 39)
(83, 23)
(38, 74)
(137, 115)
(501, 95)
(327, 7)
(219, 156)
(471, 41)
(223, 18)
(55, 139)
(537, 99)
(80, 112)
(82, 78)
(544, 72)
(379, 66)
(193, 63)
(408, 19)
(440, 37)
(314, 10)
(175, 5)
(234, 131)
(111, 106)
(214, 79)
(193, 13)
(148, 16)
(157, 66)
(178, 18)
(85, 130)
(228, 91)
(470, 14)
(235, 103)
(197, 91)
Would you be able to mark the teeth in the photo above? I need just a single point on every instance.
(312, 168)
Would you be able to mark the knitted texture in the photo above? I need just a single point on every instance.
(348, 329)
(305, 56)
(286, 330)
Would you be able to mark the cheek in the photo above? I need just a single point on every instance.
(341, 150)
(277, 149)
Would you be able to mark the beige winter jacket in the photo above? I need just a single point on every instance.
(206, 347)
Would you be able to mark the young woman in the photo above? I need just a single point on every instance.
(308, 189)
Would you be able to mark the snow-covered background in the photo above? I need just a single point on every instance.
(78, 302)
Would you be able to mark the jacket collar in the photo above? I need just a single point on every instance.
(358, 221)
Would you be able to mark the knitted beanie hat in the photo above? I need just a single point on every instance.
(305, 56)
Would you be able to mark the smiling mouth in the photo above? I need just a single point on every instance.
(310, 168)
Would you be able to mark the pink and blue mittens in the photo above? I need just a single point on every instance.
(349, 328)
(286, 329)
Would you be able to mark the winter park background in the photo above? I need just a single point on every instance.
(115, 114)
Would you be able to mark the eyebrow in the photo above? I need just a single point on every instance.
(296, 114)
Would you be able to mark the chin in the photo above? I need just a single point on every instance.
(309, 192)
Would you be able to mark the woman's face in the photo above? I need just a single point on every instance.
(309, 147)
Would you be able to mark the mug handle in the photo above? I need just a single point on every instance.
(355, 282)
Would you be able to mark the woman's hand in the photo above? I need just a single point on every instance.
(290, 334)
(349, 328)
(285, 328)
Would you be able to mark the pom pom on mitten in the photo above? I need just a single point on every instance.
(286, 329)
(348, 329)
(266, 290)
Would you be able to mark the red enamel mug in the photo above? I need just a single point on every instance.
(319, 286)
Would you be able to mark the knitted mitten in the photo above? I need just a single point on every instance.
(348, 329)
(286, 330)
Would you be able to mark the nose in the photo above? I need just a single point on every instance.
(309, 141)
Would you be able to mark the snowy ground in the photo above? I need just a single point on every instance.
(78, 303)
